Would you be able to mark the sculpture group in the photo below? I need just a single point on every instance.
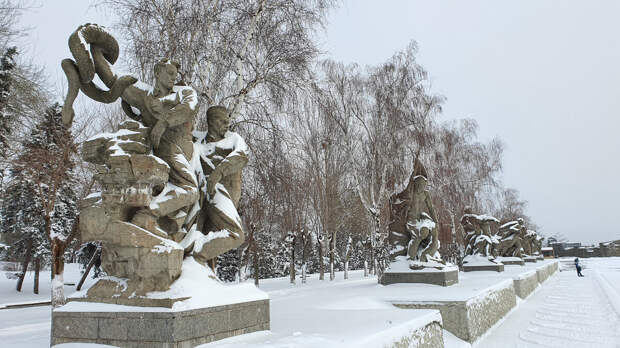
(165, 193)
(169, 194)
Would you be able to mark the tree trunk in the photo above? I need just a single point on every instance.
(58, 270)
(22, 275)
(87, 271)
(322, 266)
(37, 268)
(255, 263)
(332, 251)
(365, 268)
(292, 263)
(303, 258)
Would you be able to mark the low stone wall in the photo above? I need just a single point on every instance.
(182, 329)
(525, 284)
(471, 318)
(429, 336)
(546, 271)
(426, 277)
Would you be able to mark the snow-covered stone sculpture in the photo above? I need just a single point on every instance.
(511, 236)
(223, 154)
(481, 244)
(413, 235)
(167, 204)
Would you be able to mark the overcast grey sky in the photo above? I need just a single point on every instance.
(541, 75)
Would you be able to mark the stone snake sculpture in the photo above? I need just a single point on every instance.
(80, 72)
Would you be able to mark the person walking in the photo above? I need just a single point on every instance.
(578, 267)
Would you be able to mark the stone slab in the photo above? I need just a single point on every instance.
(475, 268)
(426, 277)
(429, 336)
(165, 329)
(469, 319)
(525, 283)
(544, 272)
(513, 262)
(529, 259)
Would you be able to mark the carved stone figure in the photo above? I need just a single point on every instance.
(538, 243)
(413, 231)
(529, 242)
(511, 235)
(223, 154)
(150, 212)
(478, 237)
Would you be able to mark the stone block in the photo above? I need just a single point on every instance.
(525, 284)
(474, 268)
(160, 329)
(427, 277)
(75, 327)
(529, 259)
(429, 336)
(470, 318)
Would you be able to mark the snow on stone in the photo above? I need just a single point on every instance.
(200, 284)
(478, 260)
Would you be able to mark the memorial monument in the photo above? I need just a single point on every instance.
(481, 244)
(166, 208)
(510, 249)
(413, 237)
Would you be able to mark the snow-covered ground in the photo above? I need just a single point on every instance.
(8, 295)
(566, 312)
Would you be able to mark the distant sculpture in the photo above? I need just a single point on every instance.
(538, 245)
(529, 242)
(478, 237)
(413, 231)
(511, 235)
(163, 196)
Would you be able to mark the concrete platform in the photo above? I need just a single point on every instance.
(480, 299)
(126, 326)
(525, 283)
(436, 277)
(511, 261)
(476, 268)
(471, 317)
(530, 259)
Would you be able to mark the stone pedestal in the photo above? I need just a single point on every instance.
(470, 318)
(490, 267)
(529, 259)
(155, 327)
(540, 257)
(511, 261)
(443, 278)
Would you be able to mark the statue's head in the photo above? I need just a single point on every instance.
(217, 121)
(420, 182)
(166, 72)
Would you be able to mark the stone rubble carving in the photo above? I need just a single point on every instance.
(413, 229)
(164, 197)
(511, 236)
(478, 236)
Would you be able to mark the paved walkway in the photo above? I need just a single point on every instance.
(566, 312)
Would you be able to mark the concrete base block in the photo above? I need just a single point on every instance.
(529, 259)
(525, 284)
(427, 277)
(474, 268)
(470, 318)
(165, 329)
(546, 271)
(429, 336)
(513, 262)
